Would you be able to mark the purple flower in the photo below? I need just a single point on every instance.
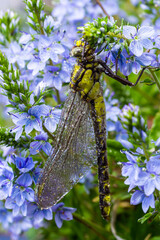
(41, 144)
(6, 178)
(52, 119)
(32, 119)
(132, 170)
(21, 193)
(24, 164)
(18, 129)
(147, 201)
(152, 178)
(36, 65)
(37, 214)
(16, 209)
(16, 55)
(140, 38)
(49, 49)
(62, 213)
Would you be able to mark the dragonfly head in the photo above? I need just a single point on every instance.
(81, 49)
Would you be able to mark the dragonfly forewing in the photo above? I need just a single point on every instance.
(73, 154)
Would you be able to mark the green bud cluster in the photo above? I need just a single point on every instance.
(17, 92)
(34, 9)
(9, 27)
(100, 32)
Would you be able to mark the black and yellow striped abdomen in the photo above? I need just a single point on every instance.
(85, 80)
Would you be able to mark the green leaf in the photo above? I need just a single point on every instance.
(148, 81)
(145, 218)
(114, 144)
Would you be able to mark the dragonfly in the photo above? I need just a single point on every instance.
(81, 133)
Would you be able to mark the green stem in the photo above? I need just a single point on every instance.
(58, 96)
(43, 157)
(145, 151)
(155, 78)
(94, 227)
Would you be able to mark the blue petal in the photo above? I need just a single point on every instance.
(44, 55)
(147, 43)
(15, 210)
(136, 48)
(145, 32)
(129, 31)
(29, 194)
(149, 187)
(137, 197)
(58, 220)
(24, 209)
(66, 215)
(47, 148)
(24, 180)
(153, 166)
(58, 205)
(48, 214)
(19, 199)
(50, 124)
(126, 144)
(9, 203)
(38, 216)
(147, 202)
(130, 157)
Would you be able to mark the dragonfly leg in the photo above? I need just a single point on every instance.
(122, 80)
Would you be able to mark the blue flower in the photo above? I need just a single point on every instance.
(62, 213)
(132, 170)
(16, 55)
(24, 180)
(20, 194)
(41, 144)
(32, 119)
(36, 65)
(16, 210)
(24, 164)
(147, 201)
(152, 178)
(37, 214)
(52, 119)
(6, 178)
(49, 49)
(140, 38)
(18, 129)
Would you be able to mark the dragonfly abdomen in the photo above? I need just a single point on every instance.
(99, 121)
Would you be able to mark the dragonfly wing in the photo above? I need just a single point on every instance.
(73, 155)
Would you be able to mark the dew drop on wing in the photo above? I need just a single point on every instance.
(73, 155)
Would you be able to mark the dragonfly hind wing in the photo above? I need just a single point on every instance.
(73, 155)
